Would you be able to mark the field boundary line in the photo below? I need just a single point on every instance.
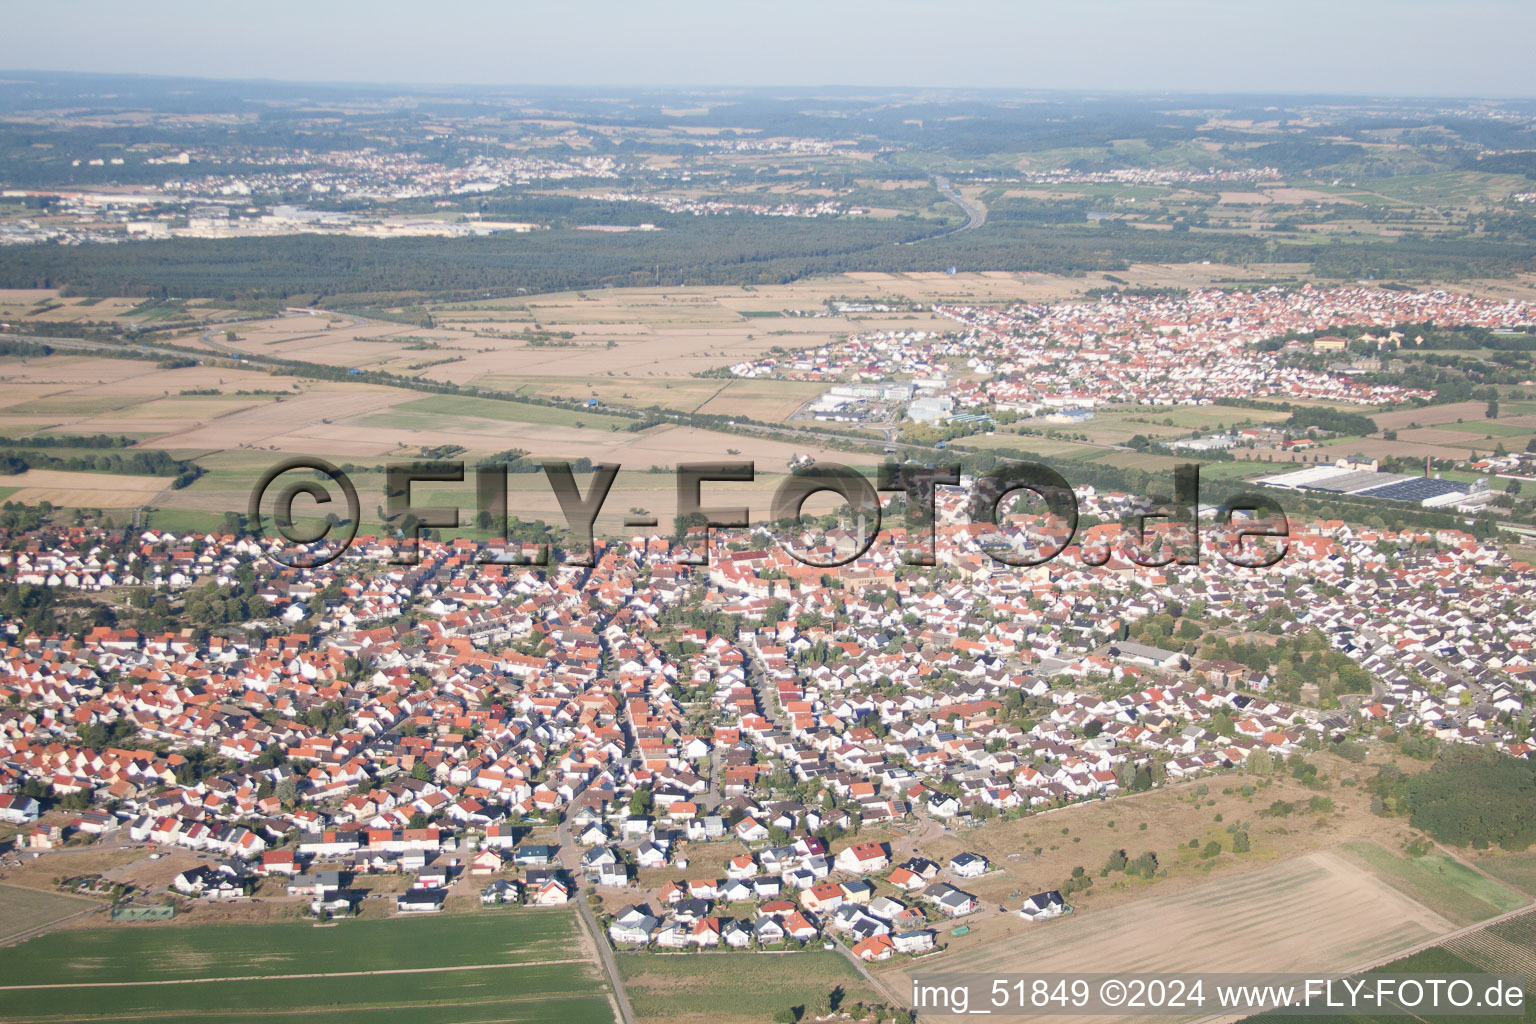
(289, 977)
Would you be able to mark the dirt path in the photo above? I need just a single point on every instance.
(597, 943)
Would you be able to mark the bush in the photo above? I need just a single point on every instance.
(1350, 751)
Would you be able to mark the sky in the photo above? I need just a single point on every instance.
(1359, 47)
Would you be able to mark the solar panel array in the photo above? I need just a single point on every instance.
(1416, 489)
(1366, 483)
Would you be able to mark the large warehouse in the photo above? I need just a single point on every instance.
(1345, 477)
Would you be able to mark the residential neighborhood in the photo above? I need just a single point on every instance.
(533, 735)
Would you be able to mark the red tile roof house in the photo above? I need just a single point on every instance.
(864, 858)
(876, 947)
(823, 898)
(797, 927)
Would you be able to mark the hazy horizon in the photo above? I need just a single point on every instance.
(1372, 48)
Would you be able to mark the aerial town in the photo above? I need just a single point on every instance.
(429, 720)
(805, 550)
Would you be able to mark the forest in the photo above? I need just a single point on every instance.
(722, 250)
(1470, 797)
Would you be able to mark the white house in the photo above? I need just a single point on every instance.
(864, 858)
(1043, 905)
(17, 810)
(969, 865)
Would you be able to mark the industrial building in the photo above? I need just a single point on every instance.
(1364, 480)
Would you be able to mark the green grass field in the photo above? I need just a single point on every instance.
(1441, 883)
(1237, 470)
(722, 988)
(1051, 448)
(1114, 426)
(1448, 188)
(1493, 427)
(502, 994)
(1148, 461)
(439, 406)
(491, 966)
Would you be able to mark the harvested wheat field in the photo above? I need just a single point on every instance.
(285, 425)
(1314, 913)
(86, 490)
(90, 395)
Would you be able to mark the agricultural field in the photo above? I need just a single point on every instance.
(1440, 882)
(736, 988)
(561, 340)
(1053, 448)
(1430, 416)
(45, 304)
(22, 909)
(1152, 463)
(1448, 442)
(1316, 912)
(1460, 190)
(1515, 869)
(510, 412)
(1437, 961)
(1041, 851)
(227, 484)
(86, 394)
(1452, 431)
(1509, 946)
(87, 490)
(766, 400)
(235, 437)
(624, 349)
(518, 966)
(1116, 426)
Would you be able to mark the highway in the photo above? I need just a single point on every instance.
(976, 213)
